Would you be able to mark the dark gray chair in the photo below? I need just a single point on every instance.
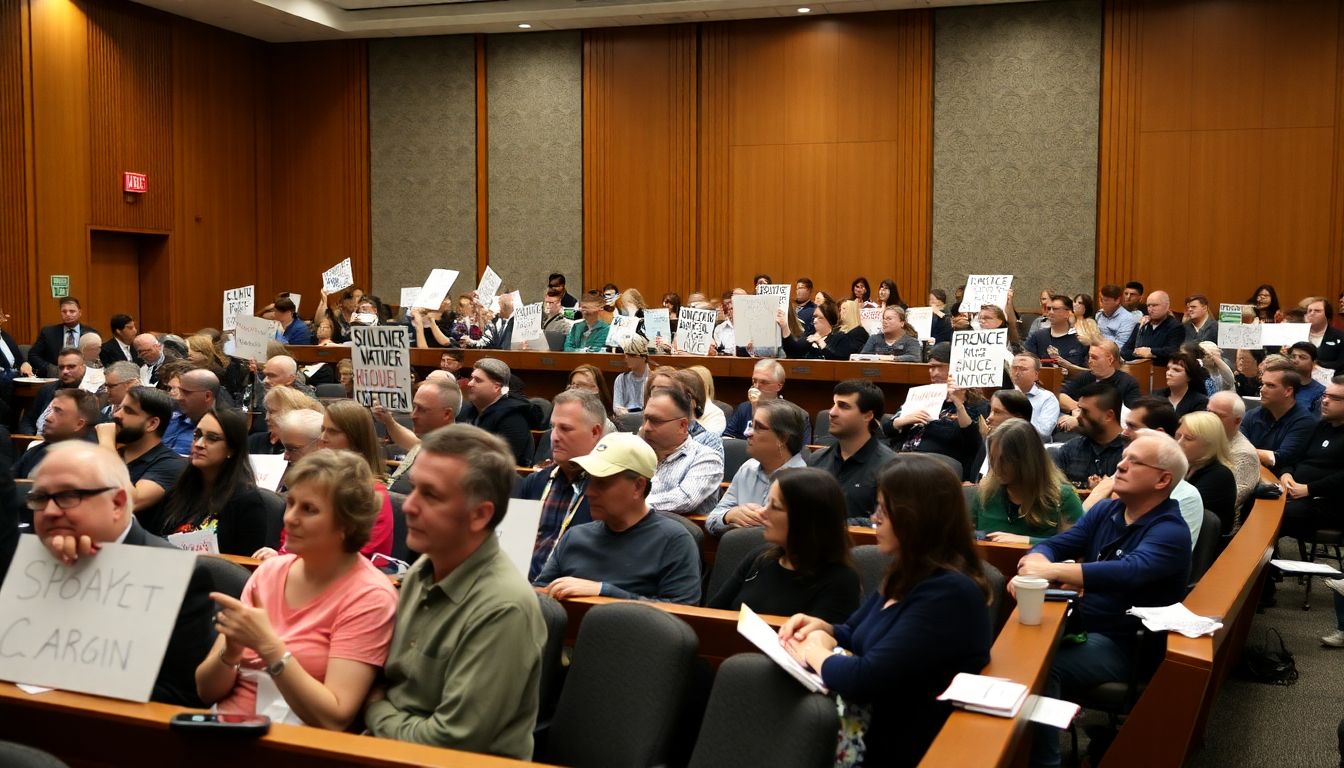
(552, 666)
(330, 391)
(951, 463)
(399, 548)
(629, 422)
(726, 408)
(630, 660)
(275, 516)
(225, 576)
(545, 406)
(543, 449)
(19, 756)
(758, 715)
(821, 429)
(734, 456)
(1206, 547)
(555, 340)
(696, 532)
(969, 492)
(735, 546)
(871, 565)
(998, 591)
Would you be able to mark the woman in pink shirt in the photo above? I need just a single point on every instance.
(311, 632)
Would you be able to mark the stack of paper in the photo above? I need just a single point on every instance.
(1302, 566)
(987, 695)
(763, 636)
(1176, 618)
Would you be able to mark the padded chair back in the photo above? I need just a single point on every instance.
(629, 422)
(399, 548)
(555, 340)
(871, 565)
(758, 715)
(225, 577)
(998, 591)
(735, 546)
(330, 391)
(726, 408)
(969, 492)
(630, 661)
(543, 449)
(821, 429)
(1206, 547)
(734, 456)
(275, 516)
(551, 666)
(696, 532)
(545, 406)
(19, 756)
(1060, 436)
(951, 463)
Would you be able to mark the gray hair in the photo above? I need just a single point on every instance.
(124, 370)
(489, 466)
(286, 363)
(1234, 400)
(306, 422)
(786, 420)
(447, 390)
(1170, 457)
(776, 370)
(589, 401)
(90, 338)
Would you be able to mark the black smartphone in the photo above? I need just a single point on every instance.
(1060, 595)
(241, 725)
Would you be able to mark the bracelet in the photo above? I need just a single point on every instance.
(226, 663)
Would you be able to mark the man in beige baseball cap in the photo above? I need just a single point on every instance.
(628, 551)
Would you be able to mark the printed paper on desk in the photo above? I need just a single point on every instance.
(436, 287)
(251, 337)
(1239, 336)
(1283, 334)
(100, 626)
(517, 532)
(921, 319)
(764, 637)
(978, 358)
(985, 289)
(268, 468)
(658, 325)
(1052, 712)
(927, 399)
(237, 301)
(754, 321)
(871, 319)
(338, 278)
(780, 292)
(204, 541)
(987, 695)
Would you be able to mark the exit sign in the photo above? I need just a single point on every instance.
(134, 182)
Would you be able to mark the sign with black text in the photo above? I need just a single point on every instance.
(237, 301)
(978, 358)
(382, 366)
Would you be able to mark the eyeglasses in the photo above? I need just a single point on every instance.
(209, 437)
(655, 420)
(759, 427)
(1133, 462)
(37, 500)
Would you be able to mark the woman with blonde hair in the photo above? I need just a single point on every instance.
(896, 339)
(1024, 498)
(279, 401)
(233, 375)
(1204, 441)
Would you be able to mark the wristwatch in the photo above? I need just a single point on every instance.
(275, 669)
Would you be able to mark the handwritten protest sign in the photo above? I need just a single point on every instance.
(268, 469)
(100, 626)
(986, 289)
(1283, 334)
(921, 319)
(658, 326)
(1239, 336)
(871, 319)
(527, 323)
(978, 358)
(1229, 313)
(382, 367)
(408, 297)
(517, 532)
(695, 330)
(622, 330)
(489, 286)
(780, 292)
(338, 278)
(754, 320)
(927, 399)
(204, 541)
(237, 301)
(436, 287)
(251, 336)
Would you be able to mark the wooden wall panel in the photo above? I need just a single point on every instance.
(639, 137)
(847, 103)
(16, 244)
(131, 108)
(1221, 147)
(318, 165)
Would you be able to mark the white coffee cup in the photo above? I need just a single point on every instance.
(1030, 598)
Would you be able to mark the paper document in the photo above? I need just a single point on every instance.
(764, 636)
(987, 695)
(1053, 712)
(1302, 566)
(1176, 618)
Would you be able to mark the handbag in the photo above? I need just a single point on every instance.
(1268, 661)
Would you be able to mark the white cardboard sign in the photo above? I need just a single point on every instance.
(658, 325)
(695, 330)
(382, 366)
(204, 541)
(1239, 336)
(527, 323)
(94, 379)
(622, 330)
(1283, 334)
(252, 336)
(489, 286)
(871, 319)
(978, 358)
(780, 292)
(338, 278)
(268, 469)
(435, 289)
(927, 399)
(986, 289)
(238, 301)
(408, 297)
(754, 320)
(517, 533)
(921, 318)
(100, 626)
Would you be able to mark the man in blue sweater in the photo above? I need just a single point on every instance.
(628, 551)
(1125, 552)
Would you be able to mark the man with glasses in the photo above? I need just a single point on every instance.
(1058, 340)
(629, 550)
(775, 443)
(1158, 335)
(138, 428)
(688, 473)
(81, 499)
(153, 355)
(71, 416)
(299, 432)
(70, 370)
(1025, 372)
(194, 394)
(767, 379)
(118, 379)
(1130, 551)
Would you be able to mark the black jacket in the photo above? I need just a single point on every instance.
(50, 341)
(1163, 339)
(112, 353)
(1331, 349)
(508, 417)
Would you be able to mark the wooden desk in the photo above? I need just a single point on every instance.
(1022, 654)
(94, 731)
(808, 383)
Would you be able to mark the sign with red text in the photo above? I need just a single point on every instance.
(134, 182)
(382, 366)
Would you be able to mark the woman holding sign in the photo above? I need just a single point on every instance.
(311, 632)
(927, 622)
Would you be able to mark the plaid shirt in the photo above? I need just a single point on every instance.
(555, 506)
(1080, 458)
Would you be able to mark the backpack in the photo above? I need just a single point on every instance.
(1268, 661)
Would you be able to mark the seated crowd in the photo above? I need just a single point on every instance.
(1104, 487)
